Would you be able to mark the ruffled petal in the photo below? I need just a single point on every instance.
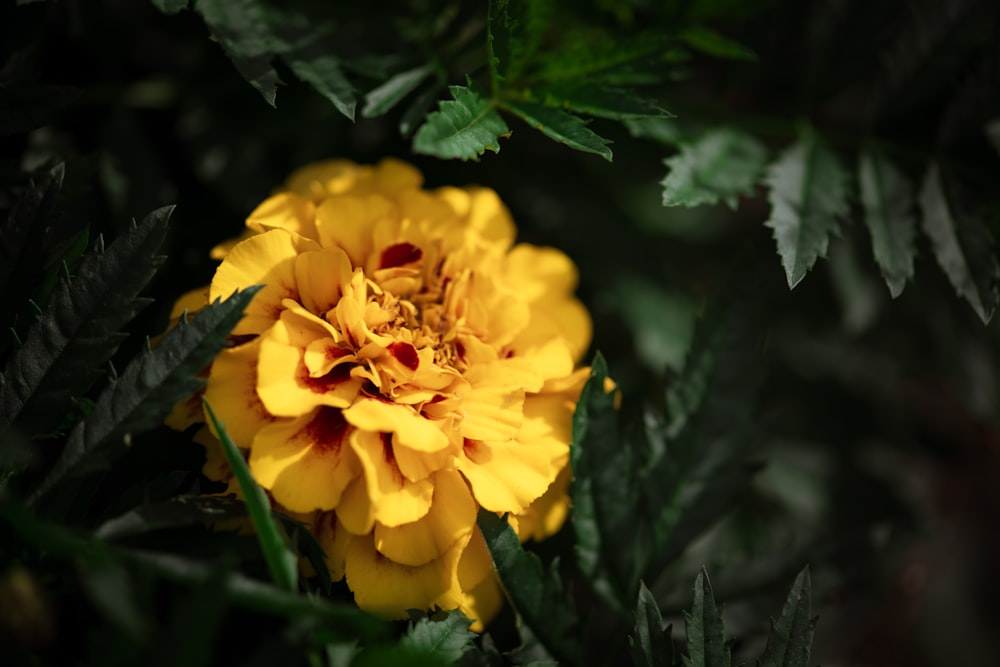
(348, 221)
(395, 500)
(413, 430)
(320, 277)
(231, 390)
(285, 210)
(482, 596)
(333, 538)
(508, 476)
(305, 463)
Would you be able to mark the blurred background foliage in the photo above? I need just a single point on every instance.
(814, 184)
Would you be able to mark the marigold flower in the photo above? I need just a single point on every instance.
(404, 365)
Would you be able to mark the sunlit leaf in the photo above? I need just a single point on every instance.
(706, 640)
(463, 128)
(280, 559)
(887, 200)
(448, 638)
(561, 126)
(721, 165)
(962, 245)
(790, 641)
(808, 197)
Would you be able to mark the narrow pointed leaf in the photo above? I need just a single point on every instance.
(280, 559)
(80, 328)
(464, 128)
(178, 511)
(790, 640)
(383, 98)
(711, 42)
(515, 32)
(536, 593)
(650, 643)
(808, 196)
(706, 639)
(561, 126)
(323, 72)
(887, 200)
(448, 638)
(722, 165)
(597, 100)
(147, 390)
(962, 245)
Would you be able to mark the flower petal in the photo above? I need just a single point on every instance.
(395, 500)
(305, 462)
(285, 210)
(452, 517)
(348, 221)
(508, 476)
(413, 430)
(482, 597)
(231, 391)
(333, 538)
(321, 276)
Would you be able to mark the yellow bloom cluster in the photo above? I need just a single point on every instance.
(404, 365)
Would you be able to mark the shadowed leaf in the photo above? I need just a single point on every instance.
(561, 126)
(650, 643)
(720, 166)
(790, 640)
(887, 199)
(448, 638)
(706, 640)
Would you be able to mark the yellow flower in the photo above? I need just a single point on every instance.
(404, 365)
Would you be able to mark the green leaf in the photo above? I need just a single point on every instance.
(605, 499)
(598, 58)
(808, 195)
(147, 390)
(448, 638)
(962, 245)
(381, 656)
(110, 589)
(79, 330)
(706, 640)
(178, 511)
(650, 644)
(464, 128)
(709, 41)
(171, 6)
(515, 32)
(597, 100)
(383, 98)
(887, 200)
(535, 593)
(280, 559)
(721, 165)
(790, 640)
(254, 33)
(561, 126)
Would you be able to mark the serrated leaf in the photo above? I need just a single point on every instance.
(147, 390)
(597, 58)
(711, 42)
(721, 165)
(448, 638)
(790, 640)
(464, 128)
(383, 98)
(808, 196)
(706, 639)
(281, 560)
(178, 511)
(597, 100)
(535, 593)
(605, 500)
(962, 245)
(255, 33)
(171, 6)
(887, 200)
(79, 329)
(650, 643)
(515, 31)
(561, 126)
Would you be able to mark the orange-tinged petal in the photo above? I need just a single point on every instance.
(388, 589)
(285, 210)
(492, 413)
(305, 463)
(545, 516)
(348, 221)
(265, 259)
(231, 390)
(191, 301)
(540, 274)
(321, 276)
(320, 179)
(355, 511)
(333, 538)
(395, 500)
(452, 517)
(413, 430)
(393, 176)
(509, 476)
(483, 597)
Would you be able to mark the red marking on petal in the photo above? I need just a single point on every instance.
(470, 447)
(460, 350)
(338, 375)
(326, 430)
(405, 354)
(400, 254)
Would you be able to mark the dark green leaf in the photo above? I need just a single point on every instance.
(650, 645)
(280, 559)
(171, 6)
(790, 640)
(962, 245)
(706, 640)
(381, 656)
(887, 199)
(605, 499)
(448, 638)
(600, 59)
(383, 98)
(561, 126)
(535, 593)
(516, 29)
(464, 128)
(721, 165)
(79, 330)
(111, 590)
(147, 390)
(322, 71)
(178, 511)
(709, 41)
(666, 131)
(597, 100)
(808, 195)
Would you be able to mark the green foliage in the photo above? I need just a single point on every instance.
(887, 199)
(464, 128)
(722, 165)
(562, 127)
(650, 643)
(706, 638)
(790, 640)
(447, 638)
